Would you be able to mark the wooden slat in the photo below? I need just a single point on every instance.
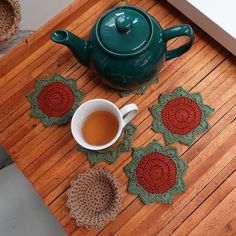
(229, 228)
(221, 215)
(193, 216)
(48, 157)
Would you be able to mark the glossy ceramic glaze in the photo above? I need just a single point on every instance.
(127, 46)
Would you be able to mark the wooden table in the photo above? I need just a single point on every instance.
(48, 156)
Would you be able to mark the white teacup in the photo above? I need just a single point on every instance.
(123, 115)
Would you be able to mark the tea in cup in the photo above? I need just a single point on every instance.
(98, 124)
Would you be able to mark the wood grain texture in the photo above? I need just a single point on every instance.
(48, 156)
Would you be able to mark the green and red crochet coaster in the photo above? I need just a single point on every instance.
(180, 116)
(55, 100)
(156, 173)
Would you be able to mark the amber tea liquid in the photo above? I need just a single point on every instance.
(100, 128)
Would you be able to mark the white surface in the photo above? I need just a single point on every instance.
(221, 12)
(35, 13)
(217, 18)
(22, 212)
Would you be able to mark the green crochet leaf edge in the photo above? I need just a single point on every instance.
(136, 189)
(140, 91)
(37, 113)
(169, 137)
(112, 156)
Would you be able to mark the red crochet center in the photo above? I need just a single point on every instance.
(156, 173)
(56, 99)
(181, 115)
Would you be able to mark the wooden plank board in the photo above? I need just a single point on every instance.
(48, 156)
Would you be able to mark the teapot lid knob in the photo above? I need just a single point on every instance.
(124, 30)
(124, 23)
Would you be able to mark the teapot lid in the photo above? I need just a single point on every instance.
(124, 30)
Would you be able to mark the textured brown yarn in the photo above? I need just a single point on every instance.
(94, 198)
(9, 18)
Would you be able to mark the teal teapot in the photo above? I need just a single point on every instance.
(126, 46)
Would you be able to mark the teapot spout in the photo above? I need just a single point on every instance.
(75, 44)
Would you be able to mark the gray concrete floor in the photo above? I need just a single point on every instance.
(22, 212)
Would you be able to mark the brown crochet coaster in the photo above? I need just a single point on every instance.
(156, 173)
(55, 100)
(94, 198)
(112, 156)
(180, 116)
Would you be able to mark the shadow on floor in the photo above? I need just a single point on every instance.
(5, 159)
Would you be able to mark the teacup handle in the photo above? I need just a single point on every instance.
(177, 31)
(128, 113)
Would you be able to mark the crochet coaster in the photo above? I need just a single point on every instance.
(156, 173)
(112, 156)
(94, 198)
(55, 100)
(140, 91)
(180, 116)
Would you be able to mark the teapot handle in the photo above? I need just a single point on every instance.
(177, 31)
